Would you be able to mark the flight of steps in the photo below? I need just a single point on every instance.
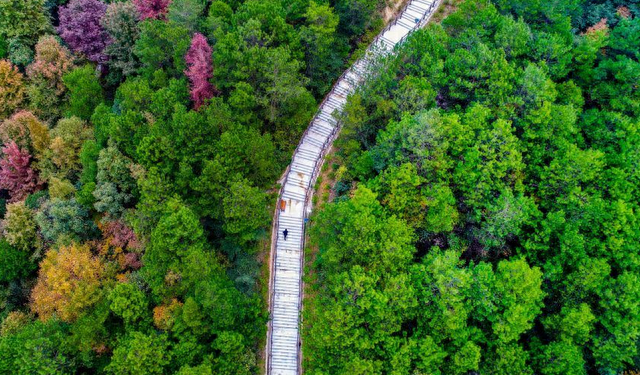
(283, 342)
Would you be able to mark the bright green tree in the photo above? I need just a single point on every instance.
(85, 91)
(128, 302)
(140, 353)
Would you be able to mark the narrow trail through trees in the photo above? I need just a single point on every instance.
(283, 355)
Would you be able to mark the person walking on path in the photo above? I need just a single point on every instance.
(285, 233)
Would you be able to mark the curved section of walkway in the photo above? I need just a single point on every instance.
(294, 205)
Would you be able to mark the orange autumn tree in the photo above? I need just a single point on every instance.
(70, 280)
(164, 315)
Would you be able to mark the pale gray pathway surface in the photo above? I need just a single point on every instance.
(283, 341)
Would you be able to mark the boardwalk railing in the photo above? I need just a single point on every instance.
(287, 256)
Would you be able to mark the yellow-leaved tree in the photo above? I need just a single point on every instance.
(70, 280)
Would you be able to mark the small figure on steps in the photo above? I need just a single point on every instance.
(285, 233)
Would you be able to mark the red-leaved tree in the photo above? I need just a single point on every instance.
(199, 70)
(156, 9)
(120, 235)
(80, 27)
(121, 243)
(16, 175)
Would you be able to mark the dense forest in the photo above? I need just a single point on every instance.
(141, 142)
(485, 213)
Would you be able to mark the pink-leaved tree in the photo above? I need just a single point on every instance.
(16, 175)
(81, 29)
(117, 233)
(199, 70)
(120, 235)
(155, 9)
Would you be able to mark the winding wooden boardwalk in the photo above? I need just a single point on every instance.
(285, 286)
